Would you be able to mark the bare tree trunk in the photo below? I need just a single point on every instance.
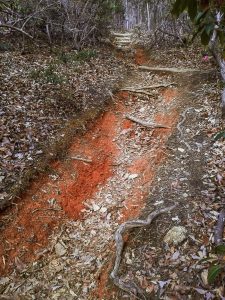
(220, 61)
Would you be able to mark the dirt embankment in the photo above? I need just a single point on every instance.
(45, 101)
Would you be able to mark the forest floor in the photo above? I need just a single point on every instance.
(57, 242)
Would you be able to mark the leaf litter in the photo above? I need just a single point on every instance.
(170, 272)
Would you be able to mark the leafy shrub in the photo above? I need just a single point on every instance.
(48, 75)
(81, 56)
(85, 55)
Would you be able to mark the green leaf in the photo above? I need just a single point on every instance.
(214, 271)
(201, 15)
(220, 249)
(192, 9)
(205, 37)
(209, 28)
(219, 135)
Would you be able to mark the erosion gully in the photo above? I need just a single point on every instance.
(110, 185)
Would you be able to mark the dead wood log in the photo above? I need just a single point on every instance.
(131, 286)
(218, 235)
(144, 123)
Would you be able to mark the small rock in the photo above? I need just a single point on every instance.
(133, 176)
(95, 207)
(181, 150)
(60, 250)
(103, 210)
(175, 235)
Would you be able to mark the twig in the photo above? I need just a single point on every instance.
(145, 124)
(148, 87)
(126, 286)
(82, 159)
(218, 235)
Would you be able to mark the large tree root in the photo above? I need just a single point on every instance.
(131, 286)
(218, 235)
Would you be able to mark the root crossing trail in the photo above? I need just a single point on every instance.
(59, 237)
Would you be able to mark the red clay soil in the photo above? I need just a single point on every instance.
(140, 56)
(33, 219)
(169, 94)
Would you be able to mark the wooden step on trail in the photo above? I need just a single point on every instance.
(122, 40)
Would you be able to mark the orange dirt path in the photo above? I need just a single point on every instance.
(53, 199)
(34, 219)
(35, 216)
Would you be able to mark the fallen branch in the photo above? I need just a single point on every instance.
(171, 70)
(145, 124)
(17, 29)
(148, 87)
(82, 159)
(218, 235)
(129, 286)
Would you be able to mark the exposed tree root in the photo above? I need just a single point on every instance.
(137, 91)
(218, 235)
(148, 87)
(130, 286)
(179, 126)
(170, 70)
(145, 124)
(81, 159)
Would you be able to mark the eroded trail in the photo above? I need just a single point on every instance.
(59, 238)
